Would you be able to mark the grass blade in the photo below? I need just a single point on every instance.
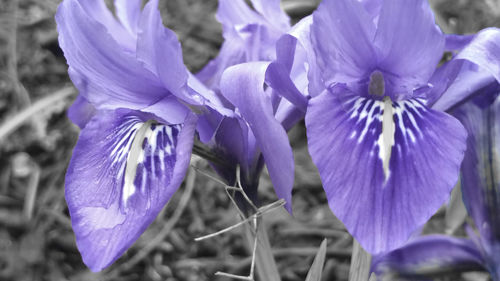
(316, 269)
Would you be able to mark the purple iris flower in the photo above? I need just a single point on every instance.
(247, 60)
(387, 159)
(134, 109)
(481, 194)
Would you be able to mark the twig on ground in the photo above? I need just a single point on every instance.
(254, 218)
(29, 199)
(13, 123)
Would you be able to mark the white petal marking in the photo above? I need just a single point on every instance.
(135, 156)
(385, 141)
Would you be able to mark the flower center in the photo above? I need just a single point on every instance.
(377, 84)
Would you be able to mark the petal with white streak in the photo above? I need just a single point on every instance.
(124, 168)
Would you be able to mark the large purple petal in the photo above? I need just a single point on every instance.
(124, 168)
(386, 166)
(342, 34)
(243, 85)
(484, 50)
(109, 75)
(408, 27)
(427, 255)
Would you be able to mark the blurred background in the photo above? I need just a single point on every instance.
(36, 140)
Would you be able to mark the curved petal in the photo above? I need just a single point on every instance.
(429, 255)
(124, 168)
(342, 34)
(110, 76)
(480, 168)
(455, 82)
(243, 85)
(408, 27)
(484, 50)
(81, 111)
(279, 79)
(386, 166)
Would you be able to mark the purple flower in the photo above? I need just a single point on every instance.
(137, 129)
(257, 132)
(388, 160)
(481, 194)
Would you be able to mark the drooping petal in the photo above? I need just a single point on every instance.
(243, 85)
(342, 34)
(109, 76)
(386, 166)
(431, 254)
(124, 168)
(129, 12)
(480, 168)
(484, 50)
(81, 111)
(407, 27)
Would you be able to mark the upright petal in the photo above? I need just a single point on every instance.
(129, 12)
(272, 12)
(108, 75)
(124, 168)
(302, 31)
(428, 255)
(98, 11)
(409, 44)
(159, 48)
(342, 34)
(386, 166)
(243, 85)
